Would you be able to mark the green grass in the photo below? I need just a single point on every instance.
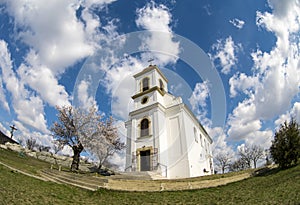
(274, 187)
(22, 162)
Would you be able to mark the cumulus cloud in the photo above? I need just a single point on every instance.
(122, 86)
(198, 99)
(294, 112)
(275, 79)
(225, 53)
(4, 102)
(220, 145)
(41, 79)
(241, 82)
(4, 130)
(85, 101)
(55, 41)
(28, 107)
(157, 17)
(237, 23)
(58, 37)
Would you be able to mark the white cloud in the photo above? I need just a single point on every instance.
(121, 84)
(29, 108)
(58, 37)
(237, 23)
(283, 21)
(3, 101)
(242, 82)
(293, 112)
(118, 79)
(276, 77)
(262, 138)
(198, 99)
(4, 130)
(90, 3)
(219, 145)
(41, 79)
(225, 53)
(86, 101)
(155, 17)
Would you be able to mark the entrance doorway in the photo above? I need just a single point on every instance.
(145, 160)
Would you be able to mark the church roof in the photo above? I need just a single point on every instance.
(149, 68)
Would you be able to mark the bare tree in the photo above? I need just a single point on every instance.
(104, 142)
(223, 160)
(42, 148)
(245, 155)
(251, 154)
(31, 143)
(238, 165)
(72, 125)
(257, 153)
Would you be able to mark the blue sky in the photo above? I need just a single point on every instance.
(245, 84)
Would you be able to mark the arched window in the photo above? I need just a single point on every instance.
(144, 127)
(161, 85)
(145, 84)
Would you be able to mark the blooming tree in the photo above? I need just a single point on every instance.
(104, 142)
(73, 125)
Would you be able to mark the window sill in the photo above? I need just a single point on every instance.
(143, 138)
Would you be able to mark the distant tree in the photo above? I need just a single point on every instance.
(72, 125)
(43, 148)
(251, 154)
(104, 142)
(31, 143)
(223, 161)
(257, 153)
(245, 155)
(238, 165)
(56, 146)
(285, 148)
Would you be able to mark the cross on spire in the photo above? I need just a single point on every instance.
(150, 60)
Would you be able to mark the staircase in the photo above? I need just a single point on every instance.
(143, 175)
(130, 181)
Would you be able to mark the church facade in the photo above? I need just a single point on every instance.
(163, 135)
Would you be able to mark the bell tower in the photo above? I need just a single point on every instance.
(150, 87)
(144, 124)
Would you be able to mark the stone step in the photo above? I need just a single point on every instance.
(92, 183)
(132, 176)
(93, 179)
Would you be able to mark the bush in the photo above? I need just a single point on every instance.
(285, 148)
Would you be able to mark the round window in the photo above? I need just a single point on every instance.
(144, 100)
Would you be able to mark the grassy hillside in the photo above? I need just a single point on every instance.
(275, 187)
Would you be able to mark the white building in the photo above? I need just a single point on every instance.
(163, 135)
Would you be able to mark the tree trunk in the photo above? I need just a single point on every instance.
(77, 149)
(99, 167)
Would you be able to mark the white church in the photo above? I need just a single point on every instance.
(163, 135)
